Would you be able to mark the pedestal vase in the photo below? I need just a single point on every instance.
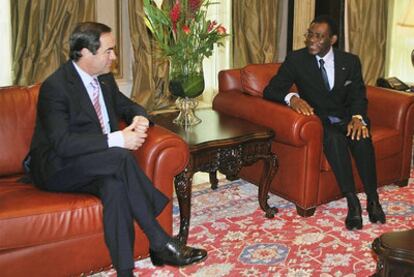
(186, 83)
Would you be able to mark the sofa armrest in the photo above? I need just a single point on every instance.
(390, 108)
(229, 80)
(290, 127)
(395, 110)
(162, 156)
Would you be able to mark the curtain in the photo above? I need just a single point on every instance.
(255, 31)
(40, 34)
(150, 74)
(304, 13)
(367, 34)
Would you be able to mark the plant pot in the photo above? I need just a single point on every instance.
(186, 83)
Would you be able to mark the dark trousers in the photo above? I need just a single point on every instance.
(337, 148)
(126, 194)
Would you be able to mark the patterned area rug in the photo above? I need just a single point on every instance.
(242, 242)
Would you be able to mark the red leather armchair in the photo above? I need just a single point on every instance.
(305, 177)
(61, 234)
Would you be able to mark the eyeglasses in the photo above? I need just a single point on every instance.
(309, 35)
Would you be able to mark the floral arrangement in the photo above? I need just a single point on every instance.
(184, 35)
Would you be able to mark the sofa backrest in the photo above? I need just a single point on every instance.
(253, 78)
(17, 120)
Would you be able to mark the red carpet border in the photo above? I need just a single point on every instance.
(242, 242)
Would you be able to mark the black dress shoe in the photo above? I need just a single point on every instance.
(375, 212)
(353, 219)
(176, 254)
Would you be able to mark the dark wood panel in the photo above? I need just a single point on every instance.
(215, 127)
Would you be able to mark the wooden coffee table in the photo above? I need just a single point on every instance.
(224, 143)
(395, 252)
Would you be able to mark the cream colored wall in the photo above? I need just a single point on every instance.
(106, 14)
(5, 35)
(400, 42)
(221, 12)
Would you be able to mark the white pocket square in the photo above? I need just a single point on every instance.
(347, 83)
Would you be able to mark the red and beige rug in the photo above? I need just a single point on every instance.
(242, 242)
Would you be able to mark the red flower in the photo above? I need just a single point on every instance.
(194, 5)
(186, 29)
(221, 30)
(175, 14)
(211, 25)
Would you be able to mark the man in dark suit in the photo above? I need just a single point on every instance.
(330, 85)
(77, 147)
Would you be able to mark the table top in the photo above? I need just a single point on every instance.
(215, 128)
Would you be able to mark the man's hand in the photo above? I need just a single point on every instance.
(300, 106)
(136, 133)
(356, 129)
(140, 123)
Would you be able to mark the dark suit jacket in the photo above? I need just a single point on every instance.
(347, 97)
(67, 125)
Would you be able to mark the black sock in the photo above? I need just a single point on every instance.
(372, 198)
(160, 243)
(125, 273)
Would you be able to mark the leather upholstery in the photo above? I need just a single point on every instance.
(60, 234)
(254, 77)
(304, 175)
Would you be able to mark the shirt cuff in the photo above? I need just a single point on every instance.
(289, 96)
(116, 139)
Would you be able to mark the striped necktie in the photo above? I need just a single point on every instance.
(95, 102)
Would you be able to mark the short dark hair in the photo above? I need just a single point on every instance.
(86, 35)
(333, 27)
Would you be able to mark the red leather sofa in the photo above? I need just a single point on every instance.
(305, 177)
(61, 234)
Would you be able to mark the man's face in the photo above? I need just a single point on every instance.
(317, 39)
(101, 62)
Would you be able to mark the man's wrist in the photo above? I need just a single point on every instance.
(289, 96)
(360, 118)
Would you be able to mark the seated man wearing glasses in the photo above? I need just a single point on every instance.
(330, 85)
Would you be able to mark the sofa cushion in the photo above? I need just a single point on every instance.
(384, 140)
(29, 216)
(17, 120)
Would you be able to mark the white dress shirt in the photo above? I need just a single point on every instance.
(115, 139)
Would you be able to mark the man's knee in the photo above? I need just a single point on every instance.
(363, 144)
(120, 156)
(120, 152)
(334, 139)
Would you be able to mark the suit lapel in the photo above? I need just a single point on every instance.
(340, 69)
(314, 72)
(79, 91)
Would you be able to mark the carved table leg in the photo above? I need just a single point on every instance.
(270, 168)
(182, 184)
(213, 179)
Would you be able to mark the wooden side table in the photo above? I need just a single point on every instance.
(395, 252)
(224, 143)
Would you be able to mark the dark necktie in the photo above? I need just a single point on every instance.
(324, 75)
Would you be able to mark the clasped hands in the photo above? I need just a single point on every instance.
(136, 133)
(355, 128)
